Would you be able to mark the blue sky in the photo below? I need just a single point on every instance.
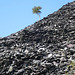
(17, 14)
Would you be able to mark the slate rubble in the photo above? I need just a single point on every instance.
(44, 48)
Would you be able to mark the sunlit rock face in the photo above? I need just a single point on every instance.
(44, 48)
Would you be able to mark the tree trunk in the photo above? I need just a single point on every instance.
(39, 16)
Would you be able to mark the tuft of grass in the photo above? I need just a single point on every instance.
(71, 68)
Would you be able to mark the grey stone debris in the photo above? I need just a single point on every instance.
(44, 48)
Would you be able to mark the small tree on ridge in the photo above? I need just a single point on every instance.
(36, 10)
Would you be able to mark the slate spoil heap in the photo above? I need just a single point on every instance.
(44, 48)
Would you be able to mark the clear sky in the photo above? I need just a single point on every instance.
(17, 14)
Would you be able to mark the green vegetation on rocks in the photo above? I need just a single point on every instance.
(36, 10)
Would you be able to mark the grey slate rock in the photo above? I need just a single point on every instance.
(43, 48)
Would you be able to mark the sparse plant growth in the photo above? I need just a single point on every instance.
(36, 10)
(71, 68)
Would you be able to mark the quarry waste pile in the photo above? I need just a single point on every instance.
(44, 48)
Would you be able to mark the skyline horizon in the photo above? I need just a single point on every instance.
(15, 15)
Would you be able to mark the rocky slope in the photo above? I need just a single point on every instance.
(44, 48)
